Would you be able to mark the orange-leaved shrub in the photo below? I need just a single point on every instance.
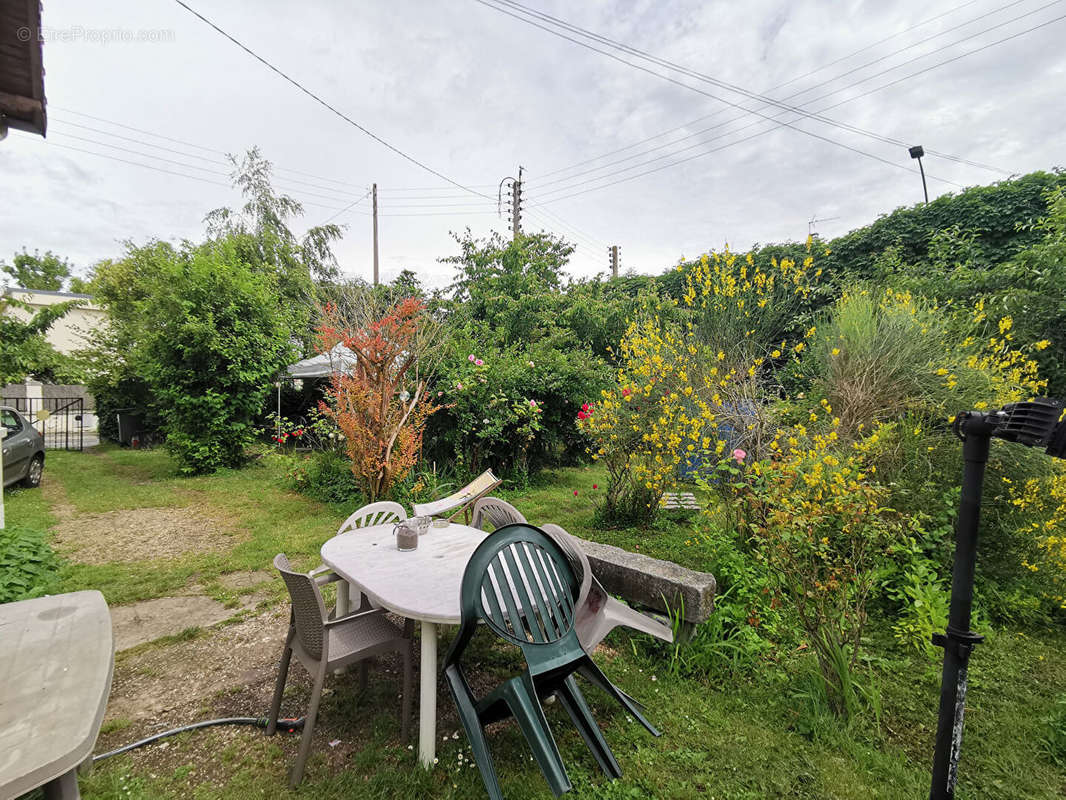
(380, 403)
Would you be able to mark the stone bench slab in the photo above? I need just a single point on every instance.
(646, 581)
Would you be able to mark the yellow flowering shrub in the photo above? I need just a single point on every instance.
(658, 413)
(897, 368)
(1041, 504)
(819, 522)
(743, 304)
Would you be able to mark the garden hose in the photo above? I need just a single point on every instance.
(289, 725)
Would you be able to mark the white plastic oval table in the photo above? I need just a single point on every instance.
(421, 584)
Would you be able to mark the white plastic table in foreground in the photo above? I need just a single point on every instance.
(420, 584)
(55, 676)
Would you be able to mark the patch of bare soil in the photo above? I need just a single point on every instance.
(139, 534)
(230, 671)
(148, 620)
(235, 581)
(154, 683)
(56, 495)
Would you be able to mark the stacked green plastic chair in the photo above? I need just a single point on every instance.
(521, 585)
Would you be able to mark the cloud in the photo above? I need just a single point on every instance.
(473, 94)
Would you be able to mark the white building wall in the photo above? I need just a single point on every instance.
(69, 333)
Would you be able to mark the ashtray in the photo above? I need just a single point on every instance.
(440, 523)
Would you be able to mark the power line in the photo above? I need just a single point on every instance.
(276, 167)
(768, 130)
(347, 208)
(765, 99)
(106, 121)
(812, 134)
(545, 221)
(51, 143)
(589, 238)
(228, 164)
(798, 93)
(434, 188)
(708, 79)
(175, 162)
(440, 214)
(915, 26)
(717, 113)
(323, 103)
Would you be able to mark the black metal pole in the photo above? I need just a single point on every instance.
(959, 641)
(924, 188)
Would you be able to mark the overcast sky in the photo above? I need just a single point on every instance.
(474, 93)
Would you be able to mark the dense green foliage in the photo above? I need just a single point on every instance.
(24, 351)
(543, 345)
(217, 334)
(27, 563)
(199, 332)
(992, 212)
(47, 272)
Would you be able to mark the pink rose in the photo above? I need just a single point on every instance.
(470, 357)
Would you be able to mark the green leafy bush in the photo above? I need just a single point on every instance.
(325, 475)
(27, 564)
(514, 411)
(216, 337)
(993, 212)
(1054, 742)
(748, 616)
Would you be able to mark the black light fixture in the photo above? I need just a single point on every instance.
(1034, 423)
(917, 152)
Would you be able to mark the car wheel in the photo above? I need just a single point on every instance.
(33, 474)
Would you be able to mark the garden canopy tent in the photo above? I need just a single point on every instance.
(338, 359)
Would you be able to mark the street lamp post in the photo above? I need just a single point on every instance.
(917, 152)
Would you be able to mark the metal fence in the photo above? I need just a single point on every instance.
(63, 427)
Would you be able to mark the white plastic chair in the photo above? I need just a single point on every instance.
(496, 511)
(380, 513)
(597, 613)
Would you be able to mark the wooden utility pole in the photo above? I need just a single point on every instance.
(613, 250)
(516, 206)
(374, 189)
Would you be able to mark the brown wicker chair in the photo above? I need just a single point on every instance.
(323, 645)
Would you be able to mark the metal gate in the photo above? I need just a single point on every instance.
(63, 425)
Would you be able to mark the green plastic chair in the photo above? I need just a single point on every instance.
(521, 585)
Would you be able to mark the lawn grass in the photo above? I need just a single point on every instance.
(743, 737)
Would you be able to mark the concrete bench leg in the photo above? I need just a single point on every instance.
(685, 631)
(65, 787)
